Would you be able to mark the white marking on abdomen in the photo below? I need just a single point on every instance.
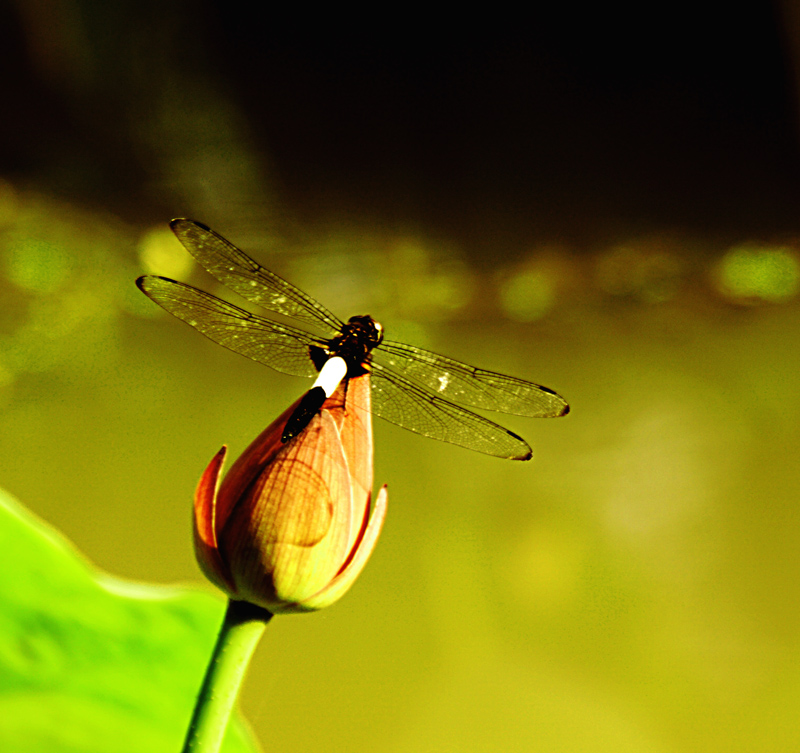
(334, 370)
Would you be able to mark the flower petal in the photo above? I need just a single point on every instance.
(249, 466)
(358, 558)
(289, 534)
(350, 407)
(205, 534)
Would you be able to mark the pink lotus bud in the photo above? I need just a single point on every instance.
(290, 528)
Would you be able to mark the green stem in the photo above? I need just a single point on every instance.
(241, 630)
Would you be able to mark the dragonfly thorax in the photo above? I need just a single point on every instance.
(354, 344)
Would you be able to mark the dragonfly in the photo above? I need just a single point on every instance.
(414, 388)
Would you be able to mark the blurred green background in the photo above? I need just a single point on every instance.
(607, 205)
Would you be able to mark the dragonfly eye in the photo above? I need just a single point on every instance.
(369, 327)
(377, 332)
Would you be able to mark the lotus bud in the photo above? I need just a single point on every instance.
(290, 528)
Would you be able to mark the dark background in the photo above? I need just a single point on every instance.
(682, 114)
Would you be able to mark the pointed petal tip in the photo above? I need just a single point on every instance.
(345, 579)
(205, 525)
(208, 485)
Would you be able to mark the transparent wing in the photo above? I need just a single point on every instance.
(237, 271)
(278, 346)
(469, 385)
(401, 402)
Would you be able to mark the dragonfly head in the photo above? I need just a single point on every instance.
(369, 330)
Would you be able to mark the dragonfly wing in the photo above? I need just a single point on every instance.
(401, 402)
(237, 271)
(279, 346)
(478, 388)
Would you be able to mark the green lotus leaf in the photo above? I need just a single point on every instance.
(90, 663)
